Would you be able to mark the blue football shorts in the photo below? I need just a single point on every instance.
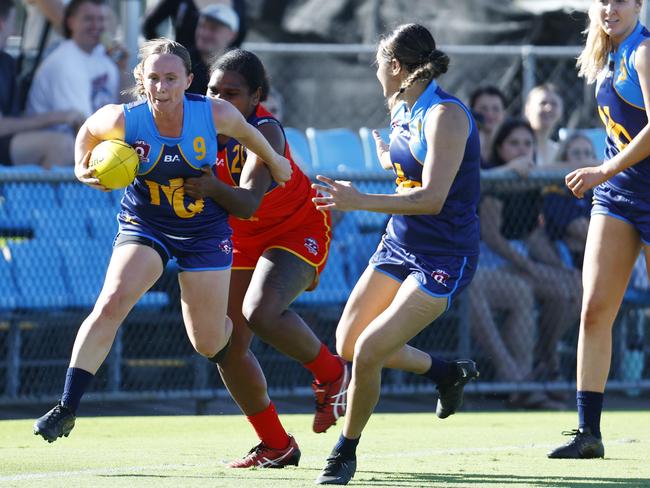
(437, 275)
(201, 253)
(633, 209)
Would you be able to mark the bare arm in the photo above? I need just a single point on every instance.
(13, 125)
(230, 122)
(446, 132)
(244, 200)
(107, 123)
(53, 12)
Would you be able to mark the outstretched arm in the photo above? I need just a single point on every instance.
(230, 122)
(244, 200)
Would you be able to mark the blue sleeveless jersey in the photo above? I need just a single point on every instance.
(156, 197)
(455, 230)
(622, 110)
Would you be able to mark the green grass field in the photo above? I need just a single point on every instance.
(397, 450)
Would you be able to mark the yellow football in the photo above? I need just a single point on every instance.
(115, 164)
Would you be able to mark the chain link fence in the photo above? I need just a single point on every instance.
(56, 236)
(56, 241)
(333, 85)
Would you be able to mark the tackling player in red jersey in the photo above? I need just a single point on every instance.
(279, 251)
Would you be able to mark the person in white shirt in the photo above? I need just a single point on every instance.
(78, 74)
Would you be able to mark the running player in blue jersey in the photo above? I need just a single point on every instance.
(175, 135)
(429, 252)
(617, 57)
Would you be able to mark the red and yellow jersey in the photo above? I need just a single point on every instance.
(287, 205)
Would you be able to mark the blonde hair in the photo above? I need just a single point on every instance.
(157, 46)
(593, 57)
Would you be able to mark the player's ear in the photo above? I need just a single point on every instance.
(395, 67)
(190, 77)
(255, 97)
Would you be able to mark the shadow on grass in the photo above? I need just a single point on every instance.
(387, 478)
(392, 479)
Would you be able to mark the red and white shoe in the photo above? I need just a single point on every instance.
(331, 400)
(262, 456)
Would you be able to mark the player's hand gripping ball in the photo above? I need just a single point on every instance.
(115, 164)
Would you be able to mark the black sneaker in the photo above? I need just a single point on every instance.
(584, 445)
(450, 393)
(338, 470)
(56, 423)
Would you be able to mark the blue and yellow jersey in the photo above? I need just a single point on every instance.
(455, 230)
(157, 196)
(622, 110)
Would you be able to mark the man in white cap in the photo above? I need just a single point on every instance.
(217, 27)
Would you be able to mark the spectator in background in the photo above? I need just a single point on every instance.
(78, 74)
(38, 15)
(216, 29)
(543, 110)
(24, 140)
(566, 217)
(184, 15)
(488, 104)
(514, 237)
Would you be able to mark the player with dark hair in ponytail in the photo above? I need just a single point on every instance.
(429, 251)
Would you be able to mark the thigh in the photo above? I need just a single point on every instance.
(410, 311)
(278, 279)
(132, 270)
(34, 146)
(612, 248)
(204, 301)
(371, 296)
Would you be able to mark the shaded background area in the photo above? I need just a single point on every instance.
(330, 90)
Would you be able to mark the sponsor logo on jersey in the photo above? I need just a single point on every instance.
(440, 276)
(311, 245)
(142, 149)
(225, 246)
(171, 158)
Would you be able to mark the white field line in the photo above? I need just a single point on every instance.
(99, 471)
(387, 455)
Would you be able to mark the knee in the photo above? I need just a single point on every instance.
(592, 313)
(344, 347)
(260, 315)
(221, 354)
(366, 357)
(61, 150)
(214, 346)
(113, 306)
(525, 297)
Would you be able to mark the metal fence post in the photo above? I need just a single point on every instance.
(528, 62)
(13, 359)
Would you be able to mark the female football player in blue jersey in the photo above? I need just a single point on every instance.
(175, 135)
(617, 57)
(429, 252)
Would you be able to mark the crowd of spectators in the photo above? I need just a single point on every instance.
(70, 65)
